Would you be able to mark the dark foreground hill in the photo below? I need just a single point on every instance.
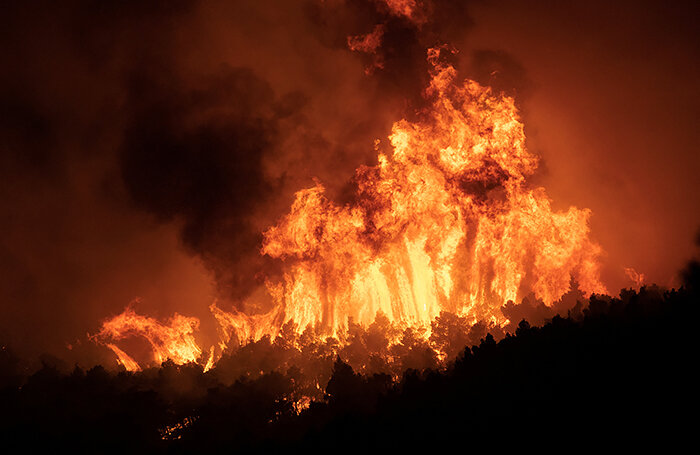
(618, 374)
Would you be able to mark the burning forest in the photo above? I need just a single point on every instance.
(384, 228)
(444, 223)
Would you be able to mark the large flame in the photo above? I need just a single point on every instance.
(444, 222)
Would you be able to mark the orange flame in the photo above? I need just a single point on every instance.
(367, 43)
(413, 10)
(444, 222)
(124, 359)
(173, 340)
(637, 278)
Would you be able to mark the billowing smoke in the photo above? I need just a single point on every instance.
(195, 156)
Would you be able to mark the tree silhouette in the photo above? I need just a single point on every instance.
(608, 368)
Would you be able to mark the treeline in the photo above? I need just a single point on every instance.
(613, 368)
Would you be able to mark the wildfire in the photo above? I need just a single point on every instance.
(444, 222)
(173, 340)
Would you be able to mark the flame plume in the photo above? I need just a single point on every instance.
(173, 340)
(444, 222)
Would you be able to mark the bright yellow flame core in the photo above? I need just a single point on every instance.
(174, 340)
(445, 222)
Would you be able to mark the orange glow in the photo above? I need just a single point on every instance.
(637, 278)
(412, 10)
(124, 359)
(445, 221)
(173, 340)
(367, 43)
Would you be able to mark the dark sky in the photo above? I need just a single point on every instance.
(143, 148)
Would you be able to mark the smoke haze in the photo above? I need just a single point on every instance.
(144, 149)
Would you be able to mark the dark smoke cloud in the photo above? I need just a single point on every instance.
(190, 114)
(72, 248)
(502, 72)
(196, 150)
(404, 41)
(195, 156)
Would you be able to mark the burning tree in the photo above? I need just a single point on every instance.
(444, 222)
